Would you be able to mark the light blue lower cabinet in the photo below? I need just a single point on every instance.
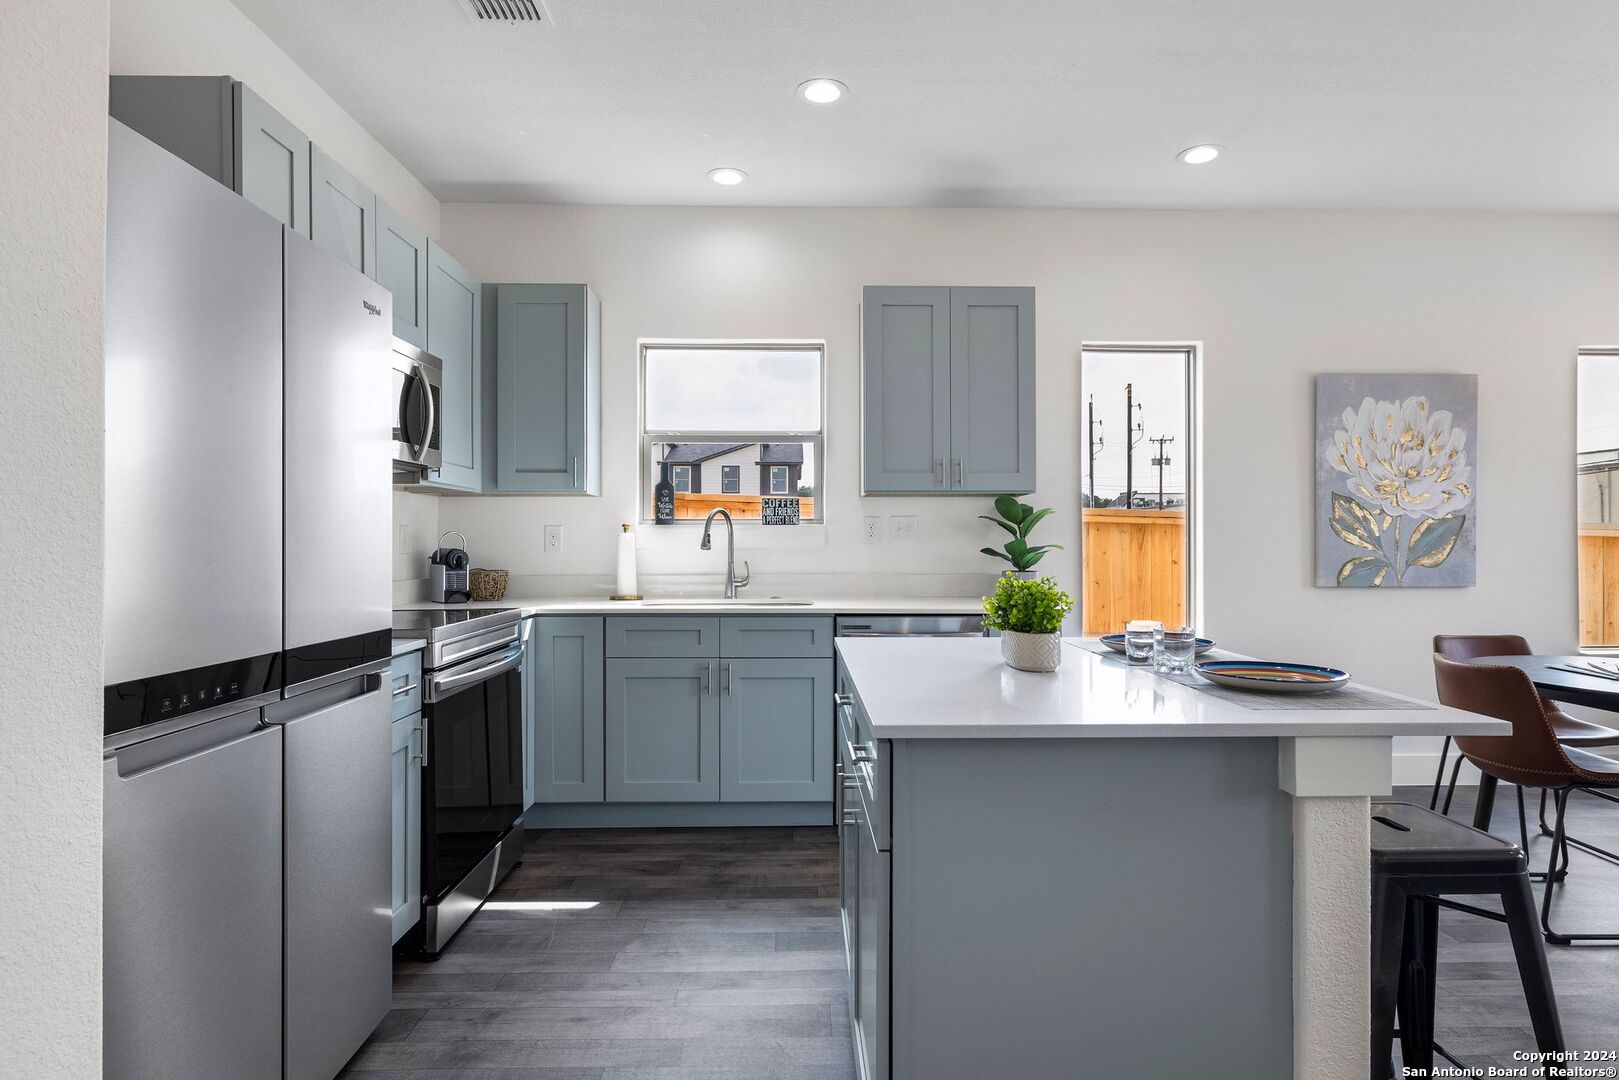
(407, 823)
(775, 730)
(663, 730)
(566, 703)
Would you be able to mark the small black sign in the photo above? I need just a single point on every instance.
(778, 511)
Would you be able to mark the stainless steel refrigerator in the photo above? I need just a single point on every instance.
(246, 777)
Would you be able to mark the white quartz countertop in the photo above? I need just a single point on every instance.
(747, 605)
(403, 645)
(958, 688)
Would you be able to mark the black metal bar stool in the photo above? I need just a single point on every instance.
(1419, 859)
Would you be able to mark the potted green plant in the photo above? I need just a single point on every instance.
(1029, 615)
(1018, 519)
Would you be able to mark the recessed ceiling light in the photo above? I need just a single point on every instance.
(1199, 155)
(821, 91)
(727, 176)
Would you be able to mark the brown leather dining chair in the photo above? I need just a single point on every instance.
(1570, 730)
(1531, 756)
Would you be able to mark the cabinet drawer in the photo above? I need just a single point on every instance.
(405, 677)
(775, 636)
(663, 635)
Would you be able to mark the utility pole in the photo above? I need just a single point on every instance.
(1093, 441)
(1161, 460)
(1132, 432)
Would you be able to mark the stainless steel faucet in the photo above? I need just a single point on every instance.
(732, 582)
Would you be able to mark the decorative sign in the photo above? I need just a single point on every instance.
(778, 511)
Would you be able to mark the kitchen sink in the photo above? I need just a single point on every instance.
(722, 602)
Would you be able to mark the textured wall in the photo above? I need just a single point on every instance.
(213, 37)
(53, 107)
(1275, 297)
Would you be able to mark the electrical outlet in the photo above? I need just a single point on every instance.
(874, 529)
(902, 528)
(404, 540)
(553, 539)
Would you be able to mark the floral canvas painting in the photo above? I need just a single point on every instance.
(1396, 487)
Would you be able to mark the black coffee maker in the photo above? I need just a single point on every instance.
(449, 573)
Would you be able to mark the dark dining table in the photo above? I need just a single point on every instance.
(1592, 691)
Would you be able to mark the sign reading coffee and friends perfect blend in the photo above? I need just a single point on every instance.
(778, 511)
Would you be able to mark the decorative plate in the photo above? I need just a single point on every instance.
(1116, 643)
(1273, 678)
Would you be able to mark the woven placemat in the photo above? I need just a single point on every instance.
(1350, 698)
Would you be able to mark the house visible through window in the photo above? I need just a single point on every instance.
(1596, 468)
(733, 424)
(1137, 507)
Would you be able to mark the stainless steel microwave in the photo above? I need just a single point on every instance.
(417, 386)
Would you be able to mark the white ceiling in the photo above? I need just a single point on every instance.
(1451, 104)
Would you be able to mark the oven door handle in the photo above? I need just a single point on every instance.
(450, 680)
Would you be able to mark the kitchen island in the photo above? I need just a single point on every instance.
(1104, 872)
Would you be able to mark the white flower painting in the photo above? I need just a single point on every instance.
(1396, 496)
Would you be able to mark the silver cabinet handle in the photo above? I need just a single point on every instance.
(851, 783)
(938, 465)
(727, 678)
(863, 754)
(407, 688)
(704, 678)
(958, 472)
(850, 817)
(424, 730)
(575, 472)
(843, 701)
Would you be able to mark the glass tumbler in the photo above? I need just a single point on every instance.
(1139, 635)
(1178, 648)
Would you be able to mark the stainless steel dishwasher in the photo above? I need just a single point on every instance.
(910, 626)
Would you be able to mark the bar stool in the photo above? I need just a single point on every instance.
(1419, 859)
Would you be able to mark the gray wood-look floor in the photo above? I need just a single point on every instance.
(671, 954)
(1480, 1014)
(716, 954)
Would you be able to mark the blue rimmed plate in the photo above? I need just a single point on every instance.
(1116, 643)
(1273, 678)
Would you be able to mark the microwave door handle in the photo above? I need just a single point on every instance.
(432, 418)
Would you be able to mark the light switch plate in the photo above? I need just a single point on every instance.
(902, 528)
(553, 539)
(874, 529)
(404, 540)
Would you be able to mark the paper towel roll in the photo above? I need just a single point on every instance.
(626, 563)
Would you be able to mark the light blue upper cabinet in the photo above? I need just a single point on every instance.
(454, 335)
(272, 161)
(402, 270)
(342, 214)
(224, 129)
(906, 379)
(548, 363)
(992, 390)
(948, 390)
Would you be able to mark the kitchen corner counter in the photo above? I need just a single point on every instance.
(747, 605)
(403, 645)
(959, 688)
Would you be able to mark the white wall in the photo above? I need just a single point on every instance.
(1275, 298)
(415, 533)
(213, 37)
(53, 123)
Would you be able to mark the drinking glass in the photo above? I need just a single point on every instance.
(1178, 648)
(1138, 640)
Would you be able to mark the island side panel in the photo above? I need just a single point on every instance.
(1091, 907)
(1332, 936)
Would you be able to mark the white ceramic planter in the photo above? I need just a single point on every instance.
(1031, 652)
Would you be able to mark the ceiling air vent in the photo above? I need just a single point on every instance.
(514, 12)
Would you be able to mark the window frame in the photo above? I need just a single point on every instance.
(814, 441)
(676, 474)
(1193, 352)
(735, 478)
(1593, 352)
(786, 480)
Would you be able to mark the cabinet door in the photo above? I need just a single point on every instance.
(549, 368)
(663, 730)
(775, 730)
(272, 161)
(342, 214)
(407, 823)
(992, 390)
(871, 937)
(402, 270)
(454, 335)
(569, 737)
(905, 379)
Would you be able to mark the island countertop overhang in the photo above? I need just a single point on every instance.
(955, 688)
